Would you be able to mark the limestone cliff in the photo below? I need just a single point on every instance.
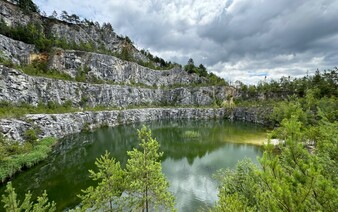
(118, 83)
(115, 70)
(18, 87)
(78, 33)
(59, 125)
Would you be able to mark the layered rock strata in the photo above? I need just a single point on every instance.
(59, 125)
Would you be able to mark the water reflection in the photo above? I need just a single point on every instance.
(188, 163)
(192, 184)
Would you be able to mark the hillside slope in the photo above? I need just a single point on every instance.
(92, 76)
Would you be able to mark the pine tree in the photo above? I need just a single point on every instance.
(147, 186)
(106, 195)
(291, 179)
(11, 204)
(141, 185)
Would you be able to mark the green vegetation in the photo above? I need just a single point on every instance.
(292, 180)
(11, 203)
(39, 68)
(191, 134)
(9, 110)
(202, 72)
(15, 156)
(299, 174)
(142, 181)
(106, 195)
(307, 109)
(27, 6)
(326, 82)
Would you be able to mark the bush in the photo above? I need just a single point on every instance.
(26, 155)
(31, 136)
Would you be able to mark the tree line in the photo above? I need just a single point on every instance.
(201, 71)
(300, 172)
(326, 82)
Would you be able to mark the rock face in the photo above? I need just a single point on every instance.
(121, 84)
(13, 50)
(12, 15)
(17, 87)
(109, 68)
(78, 33)
(258, 115)
(101, 67)
(59, 125)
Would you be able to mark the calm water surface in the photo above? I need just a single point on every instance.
(188, 163)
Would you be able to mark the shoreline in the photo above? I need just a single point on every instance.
(60, 125)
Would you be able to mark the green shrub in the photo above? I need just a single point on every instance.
(83, 101)
(28, 156)
(30, 136)
(86, 127)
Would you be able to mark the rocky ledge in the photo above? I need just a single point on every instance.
(59, 125)
(17, 87)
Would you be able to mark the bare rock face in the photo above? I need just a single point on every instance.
(79, 33)
(59, 125)
(115, 70)
(13, 50)
(17, 87)
(118, 84)
(13, 16)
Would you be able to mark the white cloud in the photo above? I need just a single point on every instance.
(236, 39)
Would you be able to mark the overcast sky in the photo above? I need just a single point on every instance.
(242, 40)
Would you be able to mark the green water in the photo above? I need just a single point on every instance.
(189, 159)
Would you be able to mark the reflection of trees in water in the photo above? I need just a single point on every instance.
(75, 154)
(212, 136)
(65, 172)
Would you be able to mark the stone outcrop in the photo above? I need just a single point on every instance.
(258, 115)
(78, 33)
(13, 16)
(15, 51)
(115, 70)
(59, 125)
(99, 66)
(18, 87)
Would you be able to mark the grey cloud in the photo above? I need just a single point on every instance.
(243, 35)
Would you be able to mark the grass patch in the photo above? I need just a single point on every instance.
(11, 164)
(40, 68)
(10, 110)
